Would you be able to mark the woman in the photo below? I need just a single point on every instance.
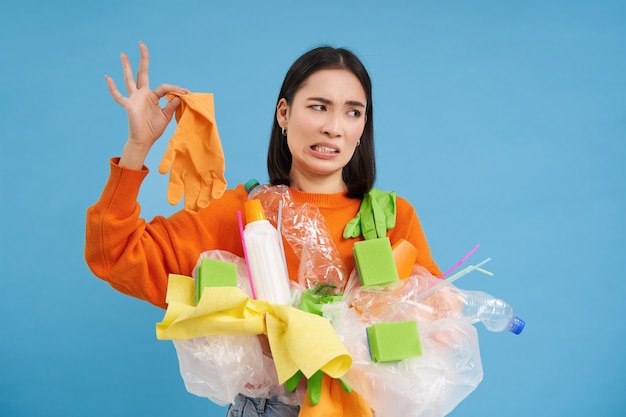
(321, 146)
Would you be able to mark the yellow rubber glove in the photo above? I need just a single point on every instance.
(376, 215)
(194, 154)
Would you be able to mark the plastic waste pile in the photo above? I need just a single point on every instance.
(411, 336)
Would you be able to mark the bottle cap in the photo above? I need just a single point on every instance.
(516, 325)
(251, 185)
(254, 210)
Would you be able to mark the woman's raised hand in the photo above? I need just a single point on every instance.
(146, 119)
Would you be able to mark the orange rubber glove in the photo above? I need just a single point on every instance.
(194, 154)
(335, 402)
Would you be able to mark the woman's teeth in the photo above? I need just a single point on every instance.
(320, 148)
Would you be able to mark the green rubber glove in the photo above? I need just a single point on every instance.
(314, 385)
(376, 215)
(314, 298)
(292, 383)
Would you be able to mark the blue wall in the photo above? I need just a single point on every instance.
(502, 122)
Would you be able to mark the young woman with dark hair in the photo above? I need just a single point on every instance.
(321, 147)
(360, 172)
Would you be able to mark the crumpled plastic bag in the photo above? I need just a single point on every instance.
(403, 298)
(433, 384)
(305, 230)
(220, 367)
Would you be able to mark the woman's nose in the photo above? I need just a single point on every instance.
(332, 126)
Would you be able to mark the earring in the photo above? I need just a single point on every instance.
(284, 131)
(358, 142)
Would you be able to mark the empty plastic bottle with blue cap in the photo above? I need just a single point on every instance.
(494, 313)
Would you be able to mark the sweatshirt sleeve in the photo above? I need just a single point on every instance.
(119, 243)
(136, 257)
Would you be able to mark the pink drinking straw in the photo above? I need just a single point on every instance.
(245, 253)
(463, 259)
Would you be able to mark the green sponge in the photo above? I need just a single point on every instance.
(390, 342)
(214, 273)
(374, 260)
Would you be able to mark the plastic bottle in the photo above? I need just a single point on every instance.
(494, 313)
(252, 187)
(304, 228)
(265, 260)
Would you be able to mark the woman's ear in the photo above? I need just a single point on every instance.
(282, 111)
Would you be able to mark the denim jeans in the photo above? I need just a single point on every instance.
(261, 407)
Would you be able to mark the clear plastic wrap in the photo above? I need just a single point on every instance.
(403, 299)
(433, 384)
(305, 230)
(424, 297)
(220, 367)
(429, 385)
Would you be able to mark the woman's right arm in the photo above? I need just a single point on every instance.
(136, 257)
(121, 248)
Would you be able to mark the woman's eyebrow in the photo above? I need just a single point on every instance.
(327, 101)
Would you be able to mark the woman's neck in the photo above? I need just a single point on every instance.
(318, 184)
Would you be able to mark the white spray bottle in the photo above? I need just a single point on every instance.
(265, 259)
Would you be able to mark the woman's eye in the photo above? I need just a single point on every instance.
(320, 107)
(354, 113)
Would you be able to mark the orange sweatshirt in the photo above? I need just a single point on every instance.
(136, 257)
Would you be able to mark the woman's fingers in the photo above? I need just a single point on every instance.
(171, 107)
(144, 61)
(164, 89)
(128, 74)
(117, 96)
(143, 85)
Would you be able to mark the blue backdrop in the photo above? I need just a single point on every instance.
(502, 122)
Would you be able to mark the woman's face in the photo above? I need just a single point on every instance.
(324, 123)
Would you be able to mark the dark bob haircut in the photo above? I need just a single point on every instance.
(360, 172)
